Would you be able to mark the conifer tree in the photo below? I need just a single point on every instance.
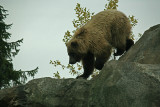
(8, 50)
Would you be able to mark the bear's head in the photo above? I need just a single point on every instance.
(74, 54)
(77, 47)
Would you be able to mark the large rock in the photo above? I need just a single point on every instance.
(129, 82)
(147, 49)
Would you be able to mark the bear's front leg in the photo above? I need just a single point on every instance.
(99, 63)
(100, 60)
(88, 66)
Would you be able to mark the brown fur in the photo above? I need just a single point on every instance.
(107, 29)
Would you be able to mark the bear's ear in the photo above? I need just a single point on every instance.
(74, 44)
(81, 32)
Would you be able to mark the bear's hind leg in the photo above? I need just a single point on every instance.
(120, 45)
(129, 43)
(120, 51)
(99, 63)
(100, 60)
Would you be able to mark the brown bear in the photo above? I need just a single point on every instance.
(93, 42)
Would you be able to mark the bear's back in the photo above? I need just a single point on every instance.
(106, 18)
(107, 22)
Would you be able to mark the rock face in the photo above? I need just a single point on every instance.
(133, 81)
(147, 49)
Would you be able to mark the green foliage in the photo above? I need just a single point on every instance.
(67, 36)
(8, 50)
(111, 5)
(83, 16)
(24, 74)
(72, 70)
(133, 22)
(56, 75)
